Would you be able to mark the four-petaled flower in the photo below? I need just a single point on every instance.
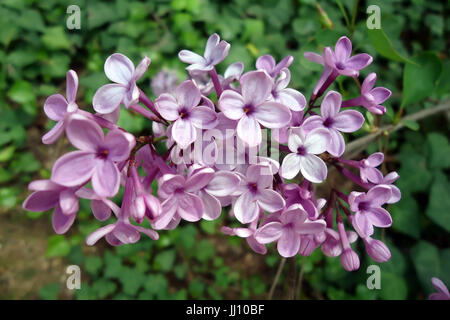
(251, 107)
(187, 115)
(96, 159)
(119, 69)
(303, 157)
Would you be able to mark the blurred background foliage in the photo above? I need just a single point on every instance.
(196, 260)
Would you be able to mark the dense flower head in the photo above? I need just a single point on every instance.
(232, 141)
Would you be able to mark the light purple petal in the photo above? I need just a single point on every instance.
(368, 83)
(108, 98)
(245, 208)
(141, 68)
(291, 98)
(261, 174)
(269, 232)
(249, 131)
(119, 145)
(41, 201)
(119, 69)
(71, 85)
(223, 184)
(290, 166)
(191, 57)
(359, 61)
(343, 49)
(106, 179)
(362, 225)
(270, 200)
(256, 87)
(379, 217)
(336, 146)
(100, 210)
(211, 45)
(169, 208)
(68, 202)
(378, 195)
(313, 168)
(167, 106)
(234, 71)
(74, 168)
(199, 179)
(317, 141)
(219, 53)
(231, 104)
(169, 183)
(348, 121)
(184, 133)
(375, 159)
(289, 243)
(61, 222)
(190, 207)
(266, 62)
(98, 234)
(380, 94)
(272, 114)
(84, 134)
(203, 117)
(440, 286)
(331, 104)
(56, 132)
(212, 207)
(311, 227)
(188, 95)
(55, 107)
(314, 57)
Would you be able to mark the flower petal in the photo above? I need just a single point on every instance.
(199, 179)
(119, 144)
(223, 184)
(56, 132)
(289, 243)
(256, 87)
(41, 200)
(270, 200)
(362, 225)
(119, 69)
(359, 61)
(317, 141)
(380, 94)
(290, 166)
(98, 234)
(106, 179)
(183, 132)
(245, 208)
(68, 202)
(84, 134)
(191, 57)
(249, 131)
(108, 98)
(71, 85)
(203, 117)
(266, 62)
(368, 83)
(378, 195)
(291, 98)
(212, 206)
(269, 232)
(313, 168)
(272, 114)
(141, 68)
(348, 121)
(331, 104)
(167, 106)
(379, 217)
(231, 104)
(61, 222)
(55, 107)
(74, 168)
(190, 207)
(100, 210)
(343, 49)
(188, 95)
(336, 146)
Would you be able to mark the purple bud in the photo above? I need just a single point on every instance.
(377, 250)
(350, 260)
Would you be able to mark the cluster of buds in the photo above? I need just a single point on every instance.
(243, 142)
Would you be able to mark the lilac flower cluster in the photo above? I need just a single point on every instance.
(216, 129)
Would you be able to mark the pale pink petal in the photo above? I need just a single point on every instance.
(68, 202)
(167, 106)
(313, 168)
(119, 69)
(245, 208)
(100, 210)
(203, 117)
(272, 114)
(256, 87)
(106, 179)
(290, 166)
(231, 104)
(98, 234)
(108, 98)
(61, 222)
(74, 168)
(212, 207)
(169, 208)
(71, 85)
(190, 207)
(311, 227)
(269, 232)
(184, 133)
(53, 135)
(84, 134)
(289, 243)
(188, 95)
(55, 107)
(348, 121)
(249, 131)
(270, 200)
(331, 104)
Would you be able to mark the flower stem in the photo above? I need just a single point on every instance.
(277, 277)
(216, 82)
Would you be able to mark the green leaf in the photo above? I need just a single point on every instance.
(57, 246)
(55, 38)
(205, 251)
(420, 79)
(103, 288)
(93, 265)
(132, 280)
(8, 197)
(384, 47)
(438, 209)
(49, 291)
(425, 257)
(7, 153)
(406, 217)
(31, 20)
(439, 151)
(413, 125)
(164, 260)
(393, 287)
(196, 288)
(22, 92)
(155, 284)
